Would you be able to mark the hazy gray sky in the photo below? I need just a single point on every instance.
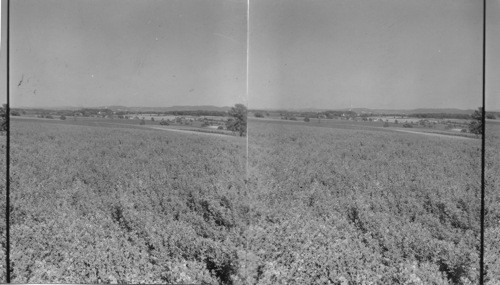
(375, 54)
(133, 53)
(322, 54)
(493, 55)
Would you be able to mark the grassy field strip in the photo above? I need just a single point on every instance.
(189, 132)
(173, 130)
(334, 124)
(327, 124)
(99, 122)
(432, 134)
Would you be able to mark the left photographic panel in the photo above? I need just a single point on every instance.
(3, 143)
(128, 141)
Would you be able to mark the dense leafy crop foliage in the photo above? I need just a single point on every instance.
(2, 206)
(99, 205)
(492, 201)
(356, 206)
(317, 205)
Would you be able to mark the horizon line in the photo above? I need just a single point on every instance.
(250, 108)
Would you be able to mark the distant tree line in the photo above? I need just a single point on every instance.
(492, 115)
(192, 113)
(441, 116)
(197, 113)
(284, 114)
(103, 112)
(331, 114)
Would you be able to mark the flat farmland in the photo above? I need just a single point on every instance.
(361, 205)
(102, 204)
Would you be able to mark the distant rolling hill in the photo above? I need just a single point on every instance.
(415, 111)
(141, 109)
(387, 111)
(447, 111)
(168, 109)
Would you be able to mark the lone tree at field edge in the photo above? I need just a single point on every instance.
(239, 121)
(3, 117)
(476, 126)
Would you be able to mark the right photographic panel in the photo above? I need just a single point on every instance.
(492, 145)
(364, 142)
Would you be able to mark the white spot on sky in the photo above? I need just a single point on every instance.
(92, 75)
